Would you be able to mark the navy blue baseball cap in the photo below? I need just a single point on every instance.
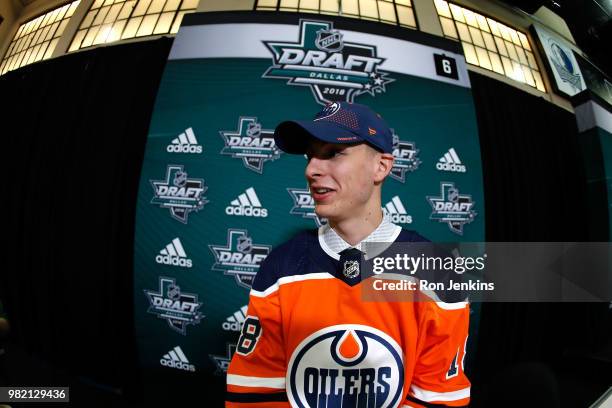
(338, 122)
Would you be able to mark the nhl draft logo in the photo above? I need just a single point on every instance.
(564, 66)
(240, 257)
(223, 362)
(251, 143)
(340, 357)
(405, 154)
(304, 205)
(334, 69)
(180, 194)
(452, 208)
(178, 308)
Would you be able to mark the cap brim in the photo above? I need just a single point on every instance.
(294, 136)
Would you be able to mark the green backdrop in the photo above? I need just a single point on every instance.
(211, 171)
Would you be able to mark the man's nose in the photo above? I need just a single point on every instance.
(315, 168)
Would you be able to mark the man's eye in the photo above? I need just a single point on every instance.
(325, 155)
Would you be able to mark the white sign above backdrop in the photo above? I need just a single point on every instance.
(563, 64)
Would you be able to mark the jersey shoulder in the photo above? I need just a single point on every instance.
(288, 258)
(410, 236)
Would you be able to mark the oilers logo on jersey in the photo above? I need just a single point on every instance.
(346, 365)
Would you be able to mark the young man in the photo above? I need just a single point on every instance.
(310, 340)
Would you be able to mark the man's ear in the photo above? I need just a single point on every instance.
(384, 164)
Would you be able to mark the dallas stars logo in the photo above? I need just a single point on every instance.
(180, 194)
(251, 143)
(239, 257)
(452, 208)
(405, 154)
(335, 70)
(304, 205)
(222, 362)
(179, 309)
(564, 67)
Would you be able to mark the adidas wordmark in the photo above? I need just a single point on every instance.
(186, 142)
(247, 204)
(175, 358)
(174, 254)
(450, 162)
(397, 212)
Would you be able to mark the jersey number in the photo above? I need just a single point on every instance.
(251, 331)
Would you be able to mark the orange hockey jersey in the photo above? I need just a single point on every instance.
(310, 339)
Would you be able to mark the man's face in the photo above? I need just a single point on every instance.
(342, 178)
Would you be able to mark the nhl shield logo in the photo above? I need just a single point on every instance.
(329, 40)
(253, 129)
(351, 269)
(174, 292)
(453, 194)
(180, 179)
(245, 244)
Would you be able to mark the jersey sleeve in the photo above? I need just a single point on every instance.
(256, 374)
(439, 378)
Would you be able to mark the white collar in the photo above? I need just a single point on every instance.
(333, 244)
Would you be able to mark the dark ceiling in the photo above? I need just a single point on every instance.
(590, 22)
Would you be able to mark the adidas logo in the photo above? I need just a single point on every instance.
(396, 212)
(450, 162)
(174, 254)
(176, 359)
(235, 321)
(247, 204)
(185, 143)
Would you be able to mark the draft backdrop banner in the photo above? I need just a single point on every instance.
(216, 195)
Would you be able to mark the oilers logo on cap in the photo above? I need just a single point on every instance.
(329, 110)
(346, 365)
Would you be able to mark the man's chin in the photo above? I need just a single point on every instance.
(324, 211)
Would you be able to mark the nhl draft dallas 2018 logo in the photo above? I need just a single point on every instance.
(406, 158)
(239, 257)
(179, 308)
(335, 70)
(179, 193)
(452, 208)
(251, 143)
